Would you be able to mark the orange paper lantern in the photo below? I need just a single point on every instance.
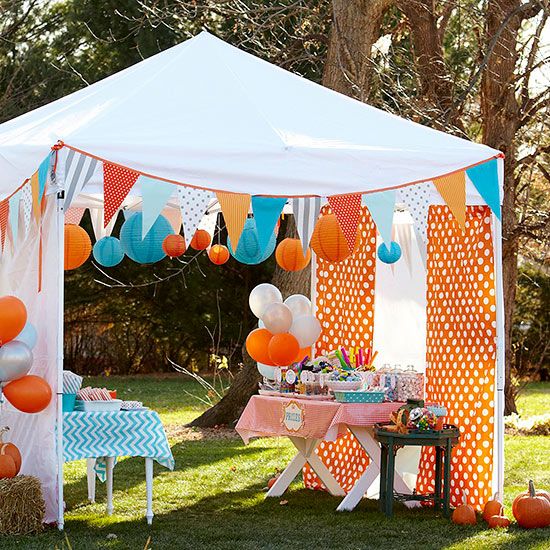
(283, 349)
(78, 246)
(328, 240)
(30, 394)
(257, 346)
(290, 256)
(13, 316)
(201, 240)
(173, 245)
(218, 254)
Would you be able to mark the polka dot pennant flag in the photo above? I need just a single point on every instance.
(117, 182)
(14, 216)
(74, 215)
(154, 195)
(26, 202)
(35, 200)
(381, 206)
(266, 213)
(235, 211)
(347, 209)
(452, 189)
(193, 205)
(306, 212)
(485, 179)
(417, 199)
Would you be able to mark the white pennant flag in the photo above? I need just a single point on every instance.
(96, 214)
(417, 199)
(26, 201)
(193, 205)
(78, 171)
(306, 211)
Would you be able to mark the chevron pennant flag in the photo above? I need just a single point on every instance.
(117, 182)
(452, 189)
(266, 214)
(79, 169)
(123, 433)
(193, 205)
(485, 179)
(154, 195)
(306, 212)
(381, 206)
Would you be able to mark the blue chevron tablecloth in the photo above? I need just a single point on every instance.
(125, 433)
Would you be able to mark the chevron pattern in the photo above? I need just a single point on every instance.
(124, 433)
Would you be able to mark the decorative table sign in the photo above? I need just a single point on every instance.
(293, 416)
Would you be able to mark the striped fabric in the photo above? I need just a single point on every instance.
(453, 190)
(78, 171)
(235, 211)
(306, 211)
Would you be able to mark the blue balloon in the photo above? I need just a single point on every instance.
(28, 335)
(248, 250)
(108, 252)
(389, 255)
(146, 250)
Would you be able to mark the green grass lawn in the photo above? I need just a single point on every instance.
(214, 499)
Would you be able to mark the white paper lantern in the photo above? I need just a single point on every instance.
(299, 305)
(262, 296)
(277, 318)
(306, 329)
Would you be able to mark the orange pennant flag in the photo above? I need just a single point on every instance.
(4, 214)
(453, 190)
(235, 211)
(35, 197)
(117, 182)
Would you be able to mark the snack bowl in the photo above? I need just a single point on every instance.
(341, 385)
(98, 406)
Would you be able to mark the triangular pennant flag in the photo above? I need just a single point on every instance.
(193, 205)
(266, 213)
(347, 209)
(4, 213)
(26, 201)
(381, 206)
(306, 212)
(43, 171)
(78, 171)
(235, 211)
(452, 189)
(74, 215)
(417, 199)
(35, 199)
(98, 223)
(404, 239)
(14, 216)
(485, 179)
(117, 182)
(155, 195)
(173, 215)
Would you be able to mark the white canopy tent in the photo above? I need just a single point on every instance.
(208, 115)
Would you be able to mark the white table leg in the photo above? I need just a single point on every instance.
(289, 473)
(109, 465)
(90, 474)
(149, 489)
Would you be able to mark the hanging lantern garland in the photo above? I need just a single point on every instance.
(389, 255)
(108, 252)
(218, 254)
(328, 240)
(290, 256)
(201, 240)
(174, 246)
(78, 246)
(148, 249)
(248, 250)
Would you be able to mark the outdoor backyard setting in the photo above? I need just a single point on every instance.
(274, 274)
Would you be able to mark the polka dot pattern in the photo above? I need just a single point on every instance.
(417, 199)
(193, 205)
(345, 308)
(117, 182)
(347, 209)
(461, 346)
(26, 201)
(74, 215)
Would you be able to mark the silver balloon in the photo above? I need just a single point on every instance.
(15, 360)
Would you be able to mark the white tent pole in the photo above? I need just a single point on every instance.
(60, 237)
(313, 290)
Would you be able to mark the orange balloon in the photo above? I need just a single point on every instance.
(328, 240)
(30, 394)
(201, 240)
(283, 349)
(302, 354)
(218, 254)
(13, 316)
(78, 246)
(290, 255)
(257, 344)
(173, 245)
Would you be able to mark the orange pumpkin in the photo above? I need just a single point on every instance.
(218, 254)
(173, 245)
(7, 467)
(272, 481)
(78, 246)
(464, 514)
(9, 449)
(328, 240)
(492, 508)
(497, 521)
(290, 255)
(201, 240)
(538, 492)
(532, 510)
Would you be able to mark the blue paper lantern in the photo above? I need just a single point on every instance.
(108, 252)
(146, 250)
(389, 255)
(248, 250)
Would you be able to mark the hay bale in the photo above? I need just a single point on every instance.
(22, 506)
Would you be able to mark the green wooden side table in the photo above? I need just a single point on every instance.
(443, 441)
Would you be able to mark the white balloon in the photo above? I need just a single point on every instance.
(306, 329)
(267, 371)
(28, 335)
(15, 360)
(299, 305)
(277, 318)
(262, 296)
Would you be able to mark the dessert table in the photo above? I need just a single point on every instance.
(101, 437)
(308, 422)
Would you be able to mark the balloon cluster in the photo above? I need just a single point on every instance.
(286, 329)
(27, 393)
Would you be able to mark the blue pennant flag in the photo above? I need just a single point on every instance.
(155, 195)
(43, 171)
(266, 213)
(485, 179)
(381, 206)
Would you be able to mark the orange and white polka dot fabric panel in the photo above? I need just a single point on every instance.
(461, 347)
(345, 308)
